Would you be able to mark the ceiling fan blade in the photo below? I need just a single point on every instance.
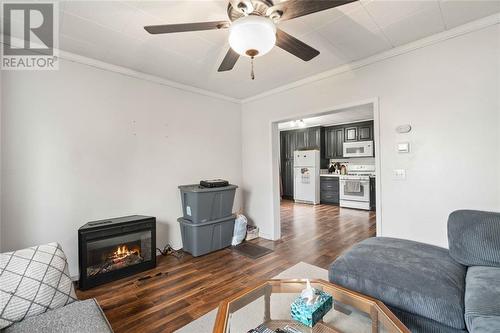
(294, 46)
(170, 28)
(229, 61)
(295, 8)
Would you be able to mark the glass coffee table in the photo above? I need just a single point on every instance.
(269, 303)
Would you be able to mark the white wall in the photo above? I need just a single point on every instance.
(447, 91)
(1, 148)
(81, 144)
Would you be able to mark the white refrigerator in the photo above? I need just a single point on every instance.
(306, 167)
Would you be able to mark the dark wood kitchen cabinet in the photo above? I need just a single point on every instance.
(329, 190)
(334, 142)
(287, 178)
(299, 139)
(308, 138)
(365, 131)
(351, 134)
(359, 131)
(288, 144)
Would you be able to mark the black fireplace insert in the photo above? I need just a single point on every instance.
(114, 248)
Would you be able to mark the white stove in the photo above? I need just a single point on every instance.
(355, 187)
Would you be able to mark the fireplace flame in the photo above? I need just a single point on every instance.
(122, 251)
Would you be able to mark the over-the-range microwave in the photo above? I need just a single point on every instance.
(358, 149)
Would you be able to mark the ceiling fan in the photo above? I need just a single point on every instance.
(253, 28)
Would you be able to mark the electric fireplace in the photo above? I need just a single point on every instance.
(114, 248)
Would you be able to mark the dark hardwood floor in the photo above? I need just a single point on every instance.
(181, 290)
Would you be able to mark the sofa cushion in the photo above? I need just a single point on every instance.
(32, 281)
(418, 324)
(474, 237)
(482, 299)
(417, 278)
(78, 317)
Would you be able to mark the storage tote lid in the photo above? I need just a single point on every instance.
(229, 218)
(198, 188)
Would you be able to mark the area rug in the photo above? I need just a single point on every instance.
(301, 270)
(252, 251)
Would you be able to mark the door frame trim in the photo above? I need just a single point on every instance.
(276, 153)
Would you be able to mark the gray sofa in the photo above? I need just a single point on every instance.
(433, 289)
(77, 317)
(37, 295)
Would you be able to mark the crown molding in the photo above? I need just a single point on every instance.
(400, 50)
(76, 58)
(141, 76)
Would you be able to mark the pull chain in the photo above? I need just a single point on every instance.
(252, 74)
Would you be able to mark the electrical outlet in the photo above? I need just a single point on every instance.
(399, 174)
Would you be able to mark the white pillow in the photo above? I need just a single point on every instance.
(33, 281)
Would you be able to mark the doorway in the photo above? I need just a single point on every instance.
(337, 200)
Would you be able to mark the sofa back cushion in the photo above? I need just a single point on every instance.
(32, 281)
(474, 237)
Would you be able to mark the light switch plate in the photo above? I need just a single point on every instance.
(403, 147)
(399, 174)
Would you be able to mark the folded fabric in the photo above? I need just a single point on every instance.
(353, 186)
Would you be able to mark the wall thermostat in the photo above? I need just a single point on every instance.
(403, 128)
(403, 147)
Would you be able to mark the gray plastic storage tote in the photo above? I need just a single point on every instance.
(202, 238)
(202, 204)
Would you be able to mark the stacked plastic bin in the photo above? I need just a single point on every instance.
(207, 224)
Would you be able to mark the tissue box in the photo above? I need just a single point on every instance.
(310, 314)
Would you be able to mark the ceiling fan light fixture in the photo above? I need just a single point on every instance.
(252, 36)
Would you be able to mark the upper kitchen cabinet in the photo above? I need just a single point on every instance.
(288, 144)
(365, 131)
(301, 139)
(308, 138)
(334, 141)
(359, 131)
(315, 138)
(351, 134)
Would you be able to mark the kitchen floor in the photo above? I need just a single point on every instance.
(325, 229)
(178, 291)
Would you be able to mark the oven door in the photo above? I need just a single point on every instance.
(346, 193)
(358, 149)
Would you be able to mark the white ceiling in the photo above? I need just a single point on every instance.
(344, 116)
(112, 31)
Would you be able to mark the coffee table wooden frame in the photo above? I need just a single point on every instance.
(375, 308)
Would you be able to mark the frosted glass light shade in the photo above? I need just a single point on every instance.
(252, 33)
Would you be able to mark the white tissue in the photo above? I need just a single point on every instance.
(308, 293)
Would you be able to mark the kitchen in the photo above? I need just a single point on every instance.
(330, 160)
